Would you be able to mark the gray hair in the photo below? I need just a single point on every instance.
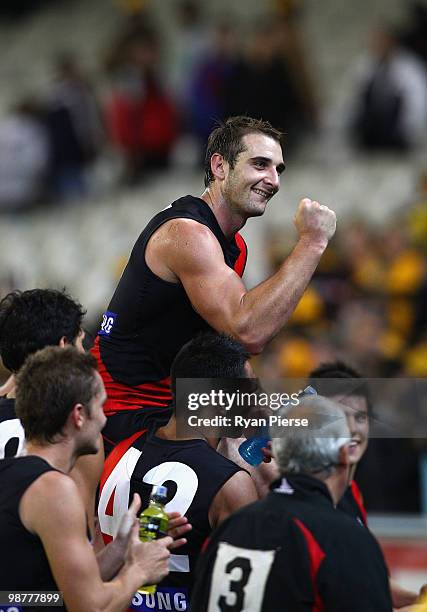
(315, 448)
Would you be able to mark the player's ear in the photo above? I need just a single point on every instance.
(218, 166)
(77, 415)
(63, 342)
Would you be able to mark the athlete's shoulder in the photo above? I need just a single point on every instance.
(187, 207)
(217, 458)
(54, 489)
(184, 244)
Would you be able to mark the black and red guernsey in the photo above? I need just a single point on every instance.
(293, 551)
(352, 503)
(192, 472)
(149, 319)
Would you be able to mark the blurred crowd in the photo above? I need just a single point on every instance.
(158, 93)
(367, 300)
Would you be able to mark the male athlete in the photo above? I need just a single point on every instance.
(184, 274)
(43, 526)
(29, 321)
(202, 484)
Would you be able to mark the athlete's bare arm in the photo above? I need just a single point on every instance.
(262, 475)
(183, 250)
(62, 531)
(237, 492)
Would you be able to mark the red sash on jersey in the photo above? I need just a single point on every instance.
(125, 397)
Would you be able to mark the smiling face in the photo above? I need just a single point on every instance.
(355, 408)
(255, 178)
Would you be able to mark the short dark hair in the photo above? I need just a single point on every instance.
(226, 139)
(50, 383)
(339, 378)
(31, 320)
(210, 355)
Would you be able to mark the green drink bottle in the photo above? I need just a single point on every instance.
(153, 523)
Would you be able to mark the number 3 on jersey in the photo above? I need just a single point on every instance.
(239, 578)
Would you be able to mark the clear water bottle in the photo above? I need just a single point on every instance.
(250, 449)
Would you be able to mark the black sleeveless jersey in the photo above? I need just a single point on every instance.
(23, 562)
(12, 434)
(292, 551)
(193, 473)
(148, 319)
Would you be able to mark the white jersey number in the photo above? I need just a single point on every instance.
(118, 484)
(12, 438)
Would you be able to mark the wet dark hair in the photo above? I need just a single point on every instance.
(31, 320)
(226, 139)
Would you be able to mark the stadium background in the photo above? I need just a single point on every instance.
(72, 221)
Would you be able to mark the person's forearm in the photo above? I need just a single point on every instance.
(266, 308)
(114, 596)
(125, 585)
(110, 560)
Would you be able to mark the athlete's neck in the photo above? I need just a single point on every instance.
(169, 432)
(60, 455)
(229, 223)
(8, 388)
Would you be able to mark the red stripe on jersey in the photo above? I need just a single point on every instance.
(239, 266)
(109, 465)
(316, 557)
(358, 498)
(116, 454)
(125, 397)
(110, 506)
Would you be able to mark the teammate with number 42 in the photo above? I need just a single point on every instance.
(202, 484)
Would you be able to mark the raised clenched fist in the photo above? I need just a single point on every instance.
(314, 221)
